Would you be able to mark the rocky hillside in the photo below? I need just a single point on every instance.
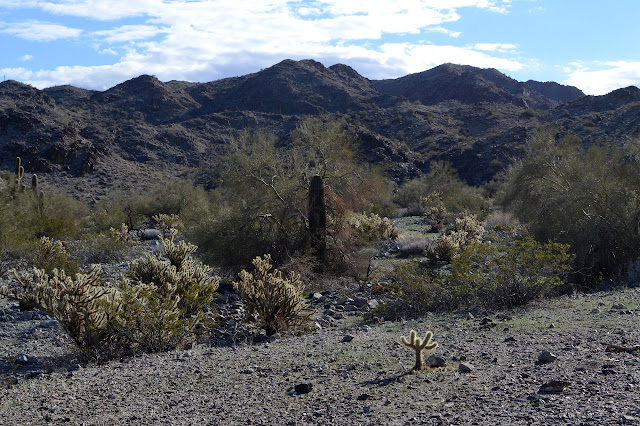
(144, 128)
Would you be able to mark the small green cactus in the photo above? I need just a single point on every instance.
(19, 171)
(419, 345)
(34, 183)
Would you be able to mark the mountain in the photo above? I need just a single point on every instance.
(144, 129)
(471, 85)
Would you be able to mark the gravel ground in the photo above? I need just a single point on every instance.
(366, 380)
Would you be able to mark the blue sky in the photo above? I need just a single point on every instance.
(97, 44)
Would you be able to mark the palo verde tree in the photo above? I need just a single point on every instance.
(265, 185)
(588, 197)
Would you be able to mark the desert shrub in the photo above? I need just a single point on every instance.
(443, 181)
(410, 245)
(264, 194)
(509, 273)
(75, 302)
(277, 301)
(586, 197)
(501, 221)
(115, 245)
(420, 289)
(505, 273)
(136, 208)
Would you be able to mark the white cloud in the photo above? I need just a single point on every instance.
(442, 30)
(129, 33)
(494, 47)
(26, 58)
(39, 31)
(602, 81)
(207, 40)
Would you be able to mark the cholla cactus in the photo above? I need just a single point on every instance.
(471, 226)
(167, 222)
(163, 303)
(179, 277)
(120, 235)
(371, 227)
(419, 346)
(75, 302)
(278, 301)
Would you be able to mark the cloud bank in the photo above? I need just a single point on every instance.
(208, 40)
(610, 76)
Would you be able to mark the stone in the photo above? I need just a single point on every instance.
(466, 367)
(373, 304)
(554, 386)
(347, 338)
(317, 297)
(363, 397)
(303, 388)
(436, 361)
(618, 307)
(149, 234)
(22, 359)
(546, 357)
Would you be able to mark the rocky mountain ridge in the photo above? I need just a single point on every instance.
(144, 129)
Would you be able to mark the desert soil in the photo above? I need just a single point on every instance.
(366, 380)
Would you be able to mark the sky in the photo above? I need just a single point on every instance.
(96, 44)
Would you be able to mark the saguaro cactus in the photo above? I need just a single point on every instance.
(419, 345)
(317, 218)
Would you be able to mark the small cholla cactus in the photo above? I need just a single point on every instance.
(277, 300)
(167, 222)
(419, 345)
(119, 235)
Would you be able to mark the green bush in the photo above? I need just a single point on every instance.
(509, 273)
(586, 197)
(263, 194)
(277, 301)
(441, 182)
(505, 271)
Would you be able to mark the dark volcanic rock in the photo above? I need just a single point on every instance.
(472, 85)
(478, 119)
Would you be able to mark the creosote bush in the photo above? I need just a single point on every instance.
(441, 182)
(509, 271)
(586, 197)
(276, 300)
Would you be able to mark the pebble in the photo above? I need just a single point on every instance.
(303, 388)
(435, 361)
(466, 367)
(22, 359)
(546, 357)
(347, 338)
